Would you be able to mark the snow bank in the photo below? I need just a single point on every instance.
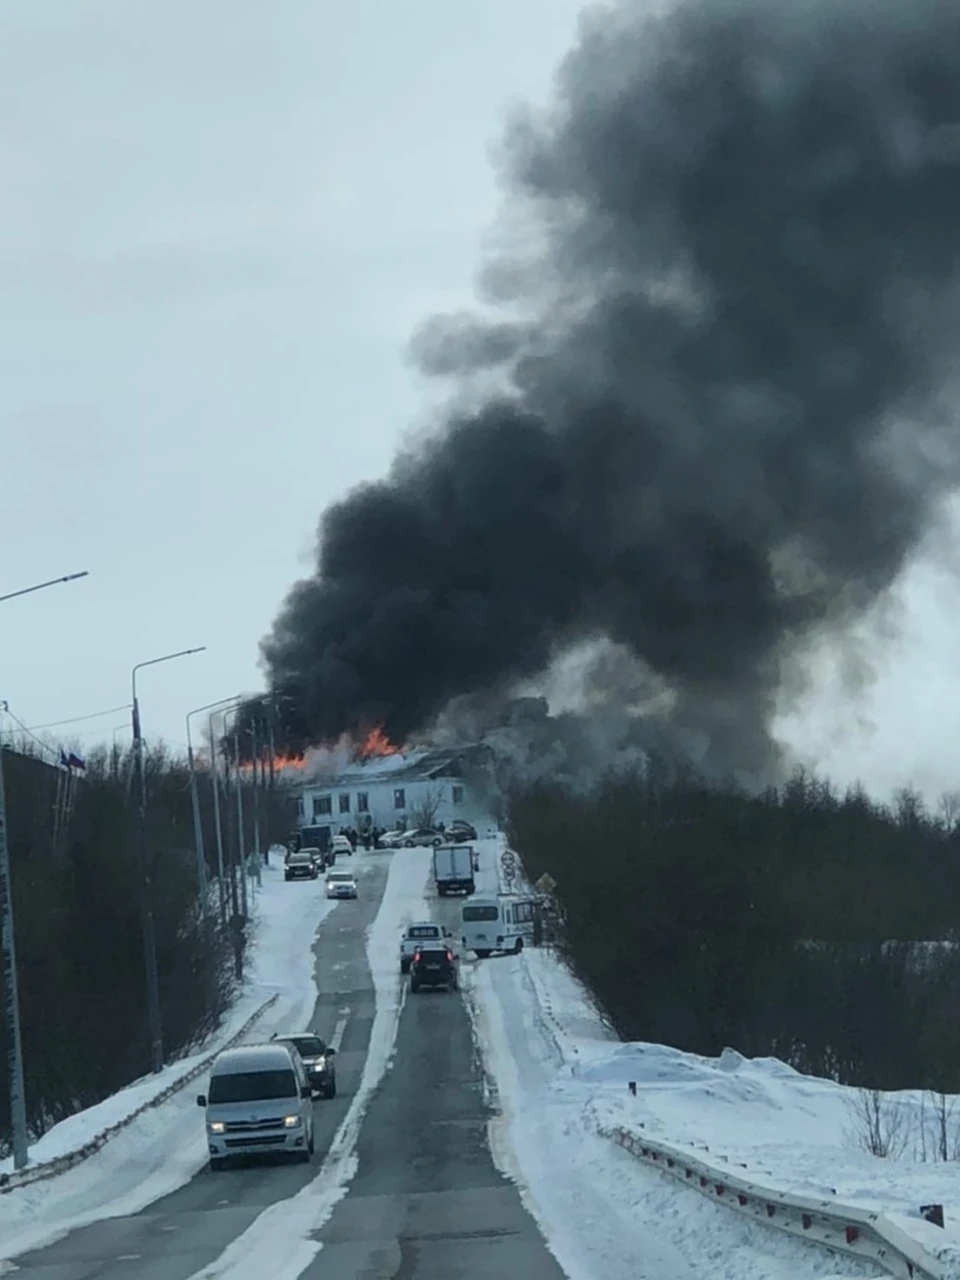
(281, 1241)
(165, 1147)
(557, 1070)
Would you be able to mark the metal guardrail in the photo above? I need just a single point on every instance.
(51, 1168)
(858, 1232)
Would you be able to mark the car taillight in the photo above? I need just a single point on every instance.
(450, 956)
(417, 957)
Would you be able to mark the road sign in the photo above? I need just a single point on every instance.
(546, 883)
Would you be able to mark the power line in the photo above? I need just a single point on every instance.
(44, 746)
(94, 715)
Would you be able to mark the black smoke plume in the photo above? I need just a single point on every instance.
(707, 414)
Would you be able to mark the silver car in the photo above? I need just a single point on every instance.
(258, 1102)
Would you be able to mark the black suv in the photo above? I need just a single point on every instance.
(433, 965)
(317, 1060)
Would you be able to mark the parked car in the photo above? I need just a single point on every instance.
(417, 935)
(341, 884)
(422, 836)
(341, 844)
(433, 965)
(300, 865)
(258, 1101)
(460, 831)
(390, 839)
(317, 1058)
(318, 857)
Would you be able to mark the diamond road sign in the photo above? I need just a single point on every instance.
(546, 883)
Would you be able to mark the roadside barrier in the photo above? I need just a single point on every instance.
(60, 1164)
(857, 1232)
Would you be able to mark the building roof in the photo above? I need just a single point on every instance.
(420, 766)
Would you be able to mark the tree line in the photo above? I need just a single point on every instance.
(77, 895)
(808, 924)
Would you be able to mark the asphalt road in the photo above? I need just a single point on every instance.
(427, 1202)
(185, 1231)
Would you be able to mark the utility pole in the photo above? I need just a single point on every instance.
(202, 878)
(8, 947)
(217, 822)
(255, 750)
(241, 856)
(146, 887)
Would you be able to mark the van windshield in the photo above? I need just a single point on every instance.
(480, 913)
(253, 1086)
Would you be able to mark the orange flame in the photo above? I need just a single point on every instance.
(375, 745)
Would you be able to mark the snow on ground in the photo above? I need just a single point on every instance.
(165, 1147)
(557, 1069)
(282, 1240)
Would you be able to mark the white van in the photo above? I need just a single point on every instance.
(258, 1102)
(503, 923)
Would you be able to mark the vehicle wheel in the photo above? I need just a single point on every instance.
(404, 966)
(437, 843)
(519, 947)
(218, 1164)
(414, 987)
(482, 955)
(331, 1089)
(287, 875)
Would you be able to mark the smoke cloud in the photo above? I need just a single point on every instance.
(710, 420)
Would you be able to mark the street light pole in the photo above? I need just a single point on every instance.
(146, 889)
(238, 783)
(8, 949)
(8, 945)
(197, 823)
(54, 582)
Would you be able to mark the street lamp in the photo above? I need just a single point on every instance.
(197, 824)
(54, 582)
(149, 936)
(8, 948)
(239, 798)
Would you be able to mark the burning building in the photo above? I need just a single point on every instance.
(400, 791)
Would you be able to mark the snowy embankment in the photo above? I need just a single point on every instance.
(282, 1240)
(559, 1073)
(165, 1147)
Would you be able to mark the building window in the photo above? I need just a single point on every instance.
(363, 802)
(400, 798)
(458, 795)
(345, 802)
(322, 805)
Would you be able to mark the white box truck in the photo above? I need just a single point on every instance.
(453, 868)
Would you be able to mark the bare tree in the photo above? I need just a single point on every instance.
(948, 809)
(880, 1124)
(424, 812)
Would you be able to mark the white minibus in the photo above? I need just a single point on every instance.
(502, 923)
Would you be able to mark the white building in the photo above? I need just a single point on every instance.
(402, 792)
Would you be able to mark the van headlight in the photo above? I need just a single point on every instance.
(216, 1126)
(292, 1122)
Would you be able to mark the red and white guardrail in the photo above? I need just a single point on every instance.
(50, 1168)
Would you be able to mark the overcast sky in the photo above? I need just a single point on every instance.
(220, 222)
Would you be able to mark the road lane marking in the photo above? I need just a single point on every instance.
(337, 1038)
